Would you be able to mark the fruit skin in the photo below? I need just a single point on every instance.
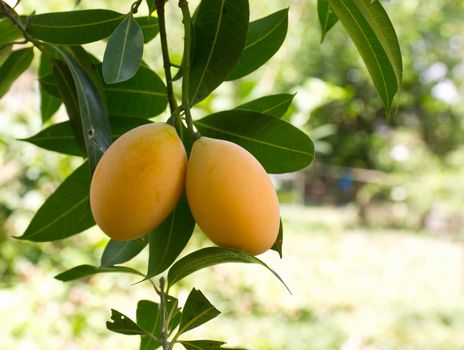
(231, 196)
(138, 181)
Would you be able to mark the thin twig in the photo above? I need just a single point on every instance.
(165, 52)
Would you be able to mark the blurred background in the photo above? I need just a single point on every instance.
(373, 229)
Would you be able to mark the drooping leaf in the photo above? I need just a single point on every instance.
(120, 323)
(370, 28)
(60, 137)
(277, 246)
(15, 65)
(205, 345)
(143, 96)
(220, 29)
(169, 239)
(210, 256)
(123, 52)
(68, 93)
(148, 318)
(74, 27)
(265, 37)
(118, 252)
(197, 311)
(83, 271)
(273, 105)
(8, 32)
(94, 116)
(279, 146)
(327, 18)
(66, 212)
(149, 26)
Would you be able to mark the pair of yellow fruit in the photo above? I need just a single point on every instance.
(141, 177)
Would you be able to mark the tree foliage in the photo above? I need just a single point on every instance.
(107, 96)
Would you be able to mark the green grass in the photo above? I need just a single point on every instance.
(353, 288)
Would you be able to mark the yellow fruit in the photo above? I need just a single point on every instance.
(138, 181)
(231, 196)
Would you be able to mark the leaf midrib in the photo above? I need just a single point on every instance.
(254, 140)
(270, 32)
(194, 319)
(89, 24)
(135, 91)
(58, 218)
(124, 44)
(372, 49)
(213, 46)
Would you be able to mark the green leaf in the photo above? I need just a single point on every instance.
(49, 104)
(60, 137)
(369, 27)
(273, 105)
(74, 27)
(149, 26)
(122, 324)
(169, 239)
(277, 246)
(148, 318)
(68, 94)
(208, 257)
(8, 32)
(5, 51)
(202, 344)
(48, 84)
(123, 53)
(197, 310)
(279, 146)
(94, 117)
(205, 345)
(265, 37)
(16, 63)
(118, 252)
(220, 29)
(66, 212)
(327, 18)
(82, 271)
(151, 5)
(173, 312)
(143, 96)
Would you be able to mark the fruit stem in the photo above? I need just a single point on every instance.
(165, 52)
(187, 21)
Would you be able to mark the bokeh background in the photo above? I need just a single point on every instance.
(373, 247)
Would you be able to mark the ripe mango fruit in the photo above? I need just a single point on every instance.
(231, 196)
(138, 181)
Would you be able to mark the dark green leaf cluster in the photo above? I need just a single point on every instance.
(152, 325)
